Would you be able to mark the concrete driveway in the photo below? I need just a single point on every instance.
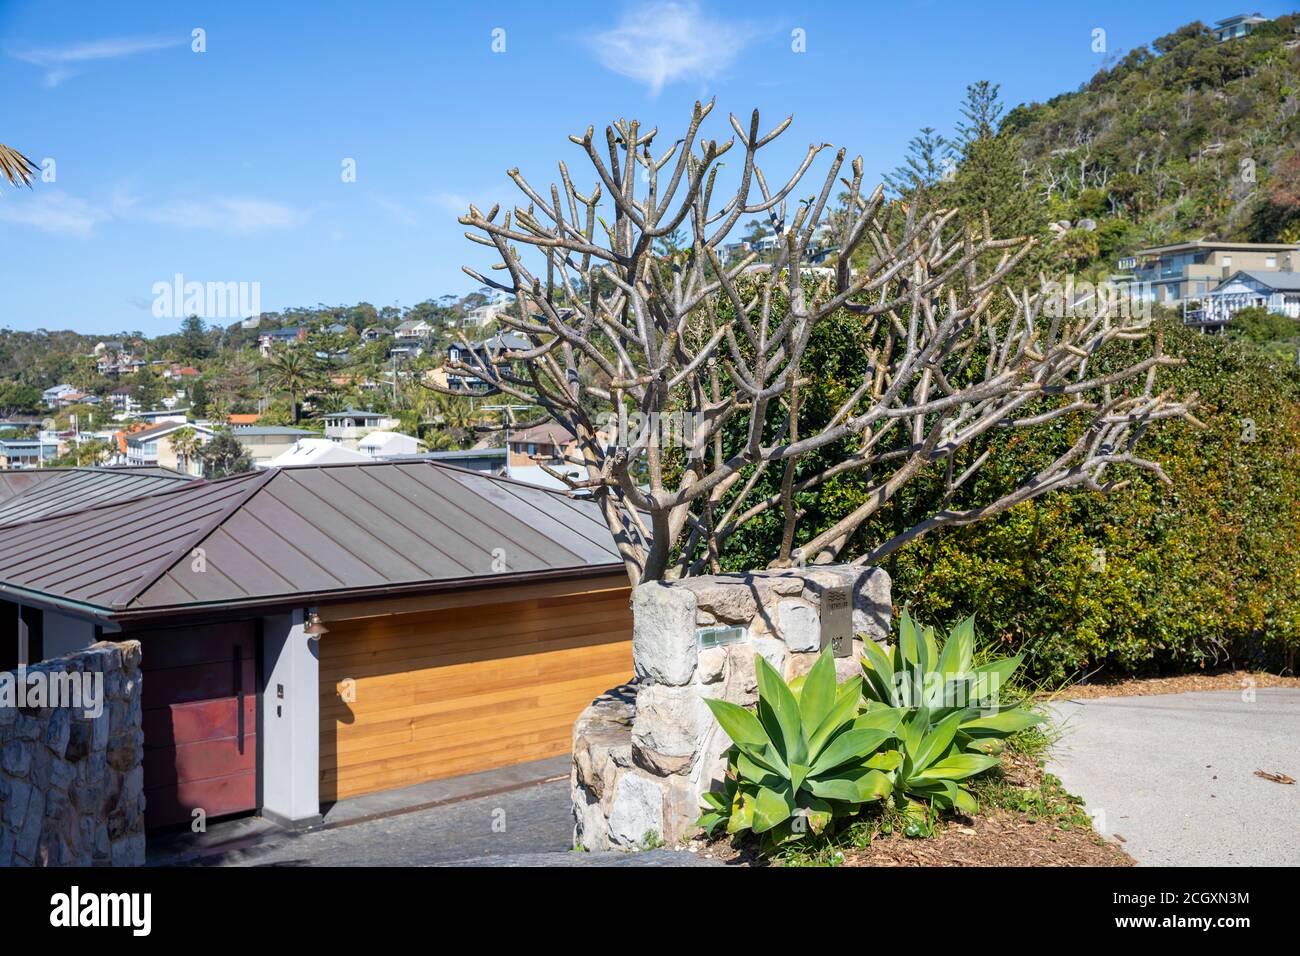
(514, 816)
(1174, 775)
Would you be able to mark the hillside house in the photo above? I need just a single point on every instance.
(1237, 26)
(267, 340)
(389, 445)
(489, 351)
(52, 395)
(265, 442)
(1170, 275)
(351, 425)
(155, 446)
(1277, 292)
(27, 452)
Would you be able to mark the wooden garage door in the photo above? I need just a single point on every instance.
(199, 701)
(442, 693)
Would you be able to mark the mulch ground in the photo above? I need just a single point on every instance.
(998, 838)
(1182, 683)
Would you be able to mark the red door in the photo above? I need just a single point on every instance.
(199, 701)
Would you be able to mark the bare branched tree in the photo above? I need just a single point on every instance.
(618, 330)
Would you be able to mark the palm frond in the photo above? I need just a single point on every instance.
(15, 167)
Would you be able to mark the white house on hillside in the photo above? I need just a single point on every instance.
(389, 445)
(1278, 292)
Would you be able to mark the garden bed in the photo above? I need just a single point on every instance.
(1026, 819)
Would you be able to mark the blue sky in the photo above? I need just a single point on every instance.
(225, 165)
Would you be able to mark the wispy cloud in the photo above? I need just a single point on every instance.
(396, 210)
(54, 212)
(58, 213)
(225, 214)
(451, 202)
(60, 63)
(666, 42)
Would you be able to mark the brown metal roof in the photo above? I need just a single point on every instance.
(15, 482)
(61, 490)
(304, 533)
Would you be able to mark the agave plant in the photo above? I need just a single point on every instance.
(799, 760)
(930, 767)
(944, 682)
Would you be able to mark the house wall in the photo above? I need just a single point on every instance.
(290, 721)
(65, 634)
(265, 447)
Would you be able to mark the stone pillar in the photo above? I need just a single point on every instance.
(646, 752)
(290, 722)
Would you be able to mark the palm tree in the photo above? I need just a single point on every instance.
(454, 418)
(290, 370)
(185, 442)
(16, 168)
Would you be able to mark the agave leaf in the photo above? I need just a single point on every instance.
(929, 651)
(819, 692)
(912, 731)
(942, 792)
(879, 674)
(957, 766)
(778, 712)
(990, 678)
(843, 711)
(958, 650)
(817, 812)
(932, 745)
(855, 745)
(771, 807)
(740, 724)
(881, 718)
(757, 766)
(886, 760)
(982, 745)
(965, 802)
(708, 822)
(1001, 724)
(715, 799)
(742, 810)
(908, 653)
(852, 786)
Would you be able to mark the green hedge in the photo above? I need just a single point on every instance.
(1149, 578)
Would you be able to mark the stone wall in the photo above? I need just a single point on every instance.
(644, 753)
(71, 781)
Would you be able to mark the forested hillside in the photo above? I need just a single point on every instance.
(1188, 138)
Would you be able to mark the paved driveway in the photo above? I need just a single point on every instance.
(1174, 775)
(529, 824)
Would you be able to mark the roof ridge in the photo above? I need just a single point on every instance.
(561, 492)
(257, 482)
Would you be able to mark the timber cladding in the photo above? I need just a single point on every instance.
(410, 697)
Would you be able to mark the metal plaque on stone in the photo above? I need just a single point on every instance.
(837, 621)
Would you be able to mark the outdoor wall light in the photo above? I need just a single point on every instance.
(314, 626)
